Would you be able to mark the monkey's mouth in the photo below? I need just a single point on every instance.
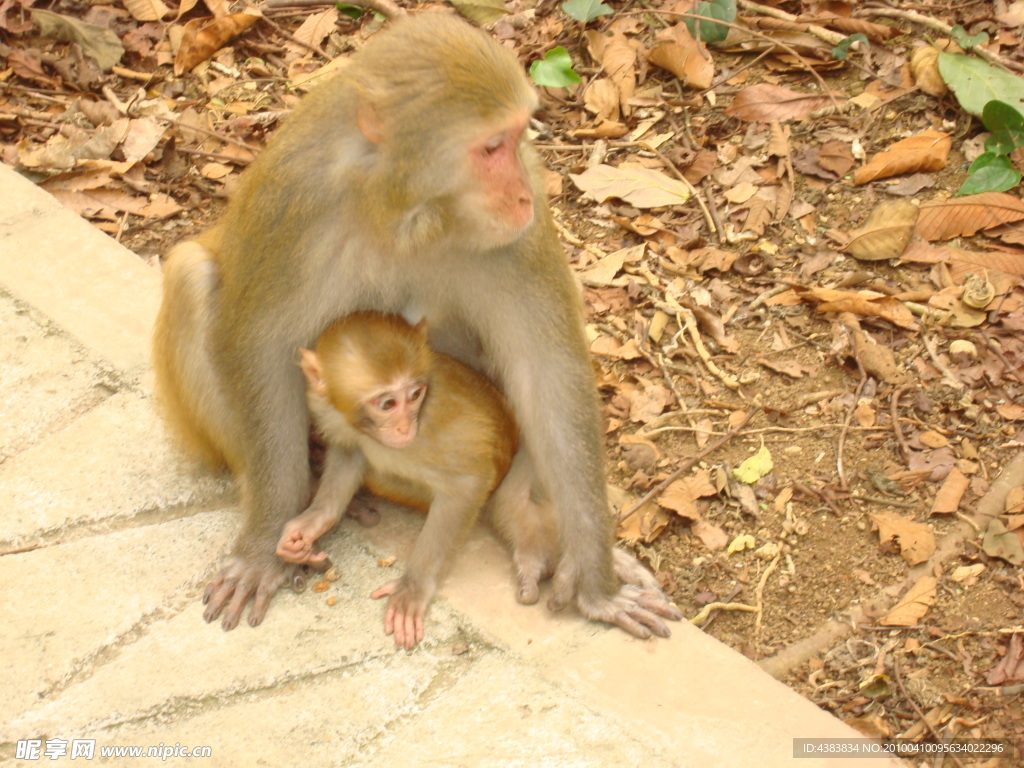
(398, 441)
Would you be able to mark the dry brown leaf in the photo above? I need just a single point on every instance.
(203, 38)
(317, 27)
(865, 413)
(914, 605)
(924, 66)
(865, 304)
(677, 51)
(1011, 411)
(703, 430)
(792, 368)
(649, 402)
(639, 452)
(927, 151)
(765, 103)
(609, 347)
(964, 216)
(147, 10)
(601, 98)
(713, 537)
(962, 262)
(638, 186)
(932, 439)
(916, 540)
(681, 496)
(617, 54)
(603, 271)
(876, 360)
(947, 500)
(778, 140)
(885, 233)
(645, 524)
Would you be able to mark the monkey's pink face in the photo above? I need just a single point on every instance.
(395, 414)
(503, 183)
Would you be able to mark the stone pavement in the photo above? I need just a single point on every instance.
(108, 538)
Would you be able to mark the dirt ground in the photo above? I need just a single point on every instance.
(877, 470)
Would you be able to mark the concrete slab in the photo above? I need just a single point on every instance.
(44, 378)
(107, 540)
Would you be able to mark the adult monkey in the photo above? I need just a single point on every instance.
(404, 185)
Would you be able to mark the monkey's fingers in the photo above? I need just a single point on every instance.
(388, 589)
(408, 628)
(244, 589)
(658, 602)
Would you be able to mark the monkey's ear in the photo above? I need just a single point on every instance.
(310, 365)
(368, 119)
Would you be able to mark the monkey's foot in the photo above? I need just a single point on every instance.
(637, 610)
(531, 569)
(638, 607)
(403, 617)
(242, 579)
(363, 512)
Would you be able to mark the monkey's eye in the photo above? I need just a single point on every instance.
(417, 393)
(386, 404)
(494, 144)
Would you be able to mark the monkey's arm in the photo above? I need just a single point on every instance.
(344, 470)
(267, 396)
(451, 515)
(554, 397)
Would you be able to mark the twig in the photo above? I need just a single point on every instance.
(846, 428)
(808, 491)
(896, 428)
(939, 26)
(759, 600)
(690, 325)
(385, 7)
(707, 609)
(830, 37)
(684, 467)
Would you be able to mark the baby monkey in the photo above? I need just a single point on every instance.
(419, 428)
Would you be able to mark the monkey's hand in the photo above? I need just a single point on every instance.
(638, 607)
(407, 605)
(298, 537)
(296, 547)
(250, 577)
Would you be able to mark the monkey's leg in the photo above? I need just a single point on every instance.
(529, 527)
(362, 510)
(448, 521)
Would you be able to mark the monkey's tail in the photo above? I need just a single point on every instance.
(186, 386)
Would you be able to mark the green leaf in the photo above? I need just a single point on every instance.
(351, 11)
(585, 10)
(1006, 125)
(975, 82)
(998, 116)
(554, 70)
(841, 51)
(723, 10)
(481, 11)
(967, 41)
(990, 173)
